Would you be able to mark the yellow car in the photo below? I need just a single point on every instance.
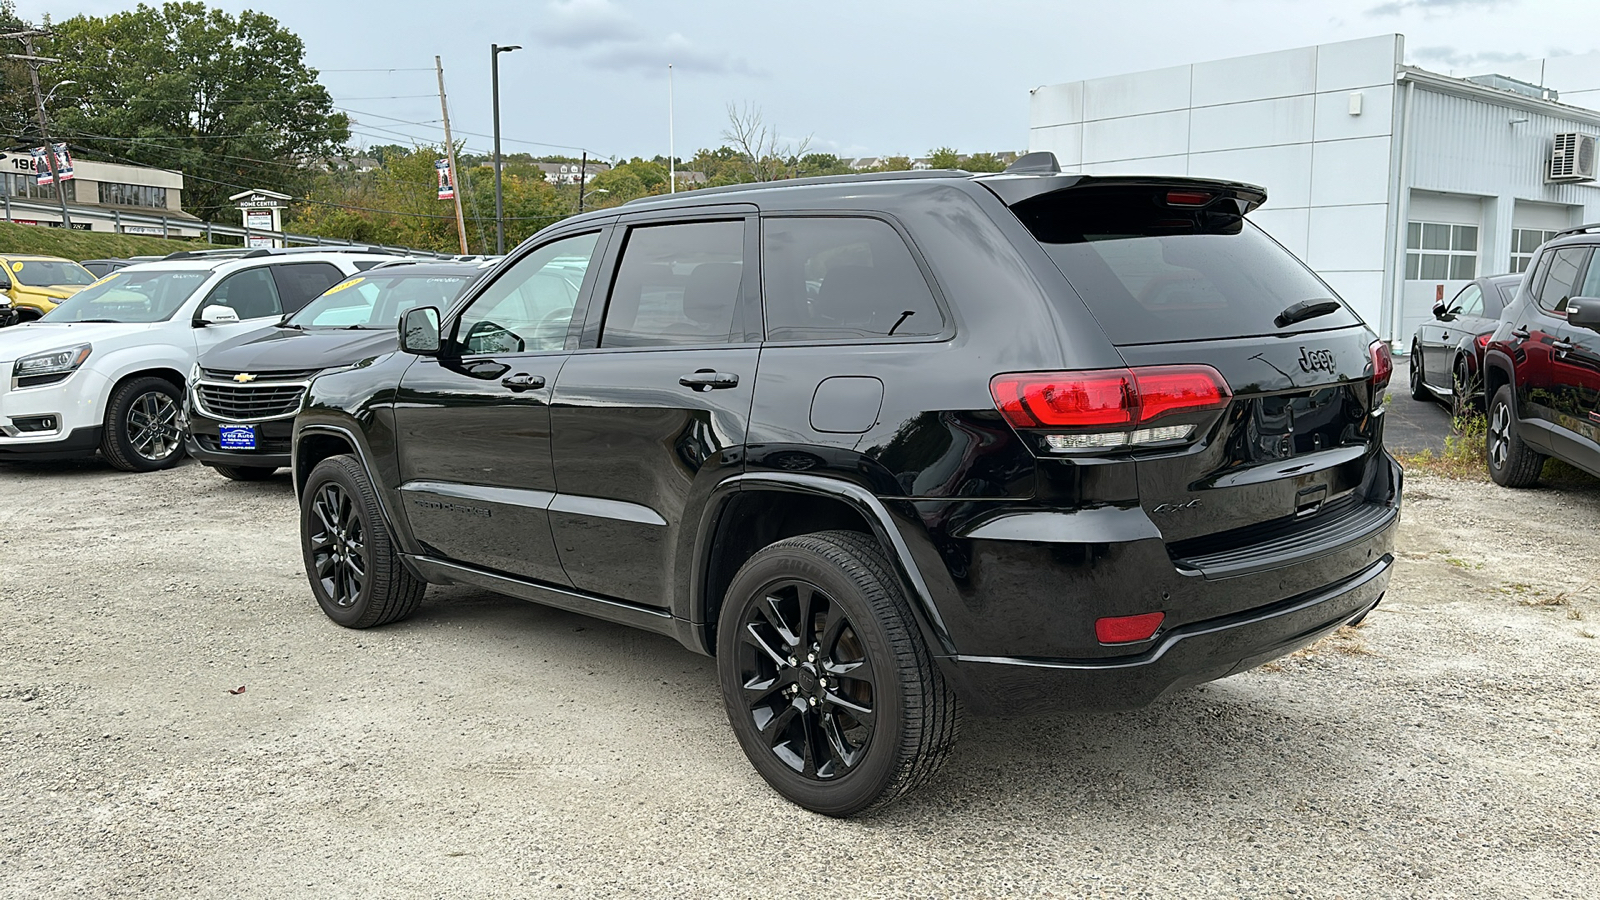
(35, 284)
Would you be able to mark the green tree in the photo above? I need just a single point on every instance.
(227, 100)
(945, 158)
(895, 164)
(814, 164)
(983, 162)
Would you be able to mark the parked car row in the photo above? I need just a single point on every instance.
(108, 369)
(1524, 349)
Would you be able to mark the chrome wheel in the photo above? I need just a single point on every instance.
(152, 425)
(1499, 435)
(809, 688)
(338, 545)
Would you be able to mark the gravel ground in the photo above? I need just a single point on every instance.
(488, 747)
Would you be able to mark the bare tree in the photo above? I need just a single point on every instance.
(758, 144)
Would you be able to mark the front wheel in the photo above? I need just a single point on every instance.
(1511, 462)
(829, 688)
(1419, 388)
(245, 473)
(351, 561)
(141, 426)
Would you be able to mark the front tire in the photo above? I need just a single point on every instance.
(351, 561)
(1419, 388)
(1512, 463)
(245, 473)
(827, 683)
(141, 426)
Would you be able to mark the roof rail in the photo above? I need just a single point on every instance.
(1580, 229)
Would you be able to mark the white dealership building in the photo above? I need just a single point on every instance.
(1394, 183)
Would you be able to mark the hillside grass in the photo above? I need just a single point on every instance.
(43, 241)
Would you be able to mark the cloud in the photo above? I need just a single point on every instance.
(1456, 59)
(582, 24)
(1432, 7)
(610, 38)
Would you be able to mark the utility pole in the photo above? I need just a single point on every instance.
(450, 156)
(33, 62)
(499, 205)
(672, 161)
(583, 178)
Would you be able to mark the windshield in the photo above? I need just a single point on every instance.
(131, 295)
(377, 300)
(1152, 273)
(45, 272)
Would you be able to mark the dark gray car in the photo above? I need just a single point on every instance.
(1447, 352)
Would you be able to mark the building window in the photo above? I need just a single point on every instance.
(113, 194)
(1524, 241)
(1438, 252)
(27, 187)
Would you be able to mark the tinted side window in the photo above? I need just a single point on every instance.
(1565, 265)
(842, 279)
(676, 284)
(1591, 283)
(529, 307)
(300, 283)
(251, 294)
(1470, 301)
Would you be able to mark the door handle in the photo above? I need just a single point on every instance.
(1561, 346)
(1520, 332)
(709, 380)
(485, 369)
(522, 381)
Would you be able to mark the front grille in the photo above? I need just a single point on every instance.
(257, 377)
(246, 402)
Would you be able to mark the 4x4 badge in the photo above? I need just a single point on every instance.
(1313, 360)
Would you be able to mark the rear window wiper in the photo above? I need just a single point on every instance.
(1305, 309)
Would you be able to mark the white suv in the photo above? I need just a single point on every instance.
(105, 371)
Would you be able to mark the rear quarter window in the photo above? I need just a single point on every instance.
(1152, 273)
(842, 278)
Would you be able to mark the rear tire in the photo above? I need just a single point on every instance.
(1461, 405)
(1419, 389)
(827, 683)
(351, 561)
(141, 426)
(1512, 463)
(246, 473)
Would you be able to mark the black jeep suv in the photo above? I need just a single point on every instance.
(886, 446)
(1542, 365)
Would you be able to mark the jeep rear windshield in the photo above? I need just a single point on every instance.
(1155, 273)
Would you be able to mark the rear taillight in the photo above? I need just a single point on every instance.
(1483, 341)
(1189, 198)
(1108, 408)
(1382, 366)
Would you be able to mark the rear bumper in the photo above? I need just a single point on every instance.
(1187, 655)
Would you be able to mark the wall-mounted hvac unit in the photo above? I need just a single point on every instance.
(1572, 157)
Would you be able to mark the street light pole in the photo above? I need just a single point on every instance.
(499, 203)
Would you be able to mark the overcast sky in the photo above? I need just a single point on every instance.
(869, 77)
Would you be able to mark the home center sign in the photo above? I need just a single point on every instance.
(263, 216)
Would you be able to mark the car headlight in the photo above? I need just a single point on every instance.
(56, 362)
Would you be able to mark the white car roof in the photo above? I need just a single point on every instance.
(230, 263)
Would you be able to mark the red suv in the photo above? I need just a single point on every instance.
(1542, 367)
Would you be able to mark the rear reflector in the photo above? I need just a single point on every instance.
(1127, 629)
(1115, 398)
(1382, 366)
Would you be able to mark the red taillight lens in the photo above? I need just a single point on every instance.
(1189, 198)
(1106, 397)
(1127, 629)
(1382, 365)
(1483, 340)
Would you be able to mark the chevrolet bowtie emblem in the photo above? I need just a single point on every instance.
(244, 378)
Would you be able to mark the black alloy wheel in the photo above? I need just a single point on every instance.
(141, 426)
(828, 685)
(351, 561)
(809, 687)
(1511, 462)
(1419, 388)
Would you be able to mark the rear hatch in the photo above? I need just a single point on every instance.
(1256, 393)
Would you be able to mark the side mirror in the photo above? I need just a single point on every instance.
(1584, 312)
(218, 315)
(1442, 311)
(419, 331)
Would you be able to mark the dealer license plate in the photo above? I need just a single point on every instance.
(238, 437)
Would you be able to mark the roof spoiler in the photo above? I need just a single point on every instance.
(1036, 174)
